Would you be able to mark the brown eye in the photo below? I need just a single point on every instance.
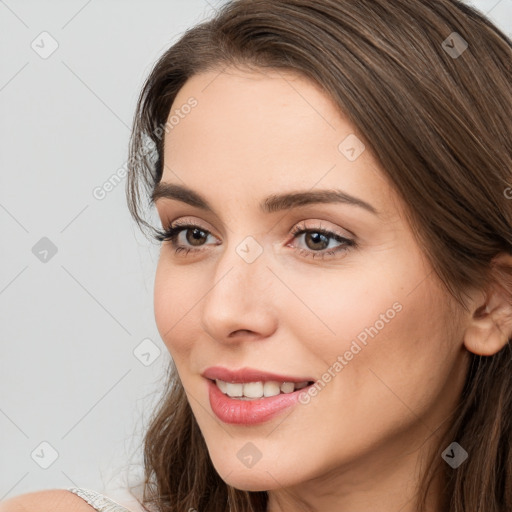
(185, 237)
(316, 241)
(197, 236)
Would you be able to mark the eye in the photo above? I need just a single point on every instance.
(194, 235)
(317, 239)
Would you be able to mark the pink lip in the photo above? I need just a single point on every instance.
(249, 375)
(250, 412)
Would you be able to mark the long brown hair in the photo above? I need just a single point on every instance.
(437, 116)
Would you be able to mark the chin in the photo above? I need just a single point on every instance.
(261, 477)
(250, 481)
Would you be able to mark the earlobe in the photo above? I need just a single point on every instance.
(490, 328)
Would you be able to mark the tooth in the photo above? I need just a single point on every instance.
(221, 385)
(287, 387)
(253, 389)
(271, 388)
(234, 389)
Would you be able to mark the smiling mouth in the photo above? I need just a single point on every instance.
(259, 389)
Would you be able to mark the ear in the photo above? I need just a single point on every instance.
(490, 327)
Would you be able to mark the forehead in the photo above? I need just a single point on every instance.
(265, 131)
(243, 110)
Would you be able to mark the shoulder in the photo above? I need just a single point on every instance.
(52, 500)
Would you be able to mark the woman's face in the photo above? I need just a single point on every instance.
(368, 313)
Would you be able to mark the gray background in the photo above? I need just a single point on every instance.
(82, 363)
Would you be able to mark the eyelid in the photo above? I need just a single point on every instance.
(299, 228)
(175, 228)
(304, 226)
(186, 222)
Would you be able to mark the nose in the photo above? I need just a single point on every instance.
(239, 303)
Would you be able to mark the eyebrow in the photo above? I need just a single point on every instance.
(272, 203)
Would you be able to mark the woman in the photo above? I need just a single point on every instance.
(335, 278)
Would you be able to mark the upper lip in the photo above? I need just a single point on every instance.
(243, 375)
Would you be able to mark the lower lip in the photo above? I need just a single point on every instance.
(250, 412)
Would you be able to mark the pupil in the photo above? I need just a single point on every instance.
(317, 238)
(197, 235)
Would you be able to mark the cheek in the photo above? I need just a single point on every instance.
(402, 366)
(173, 300)
(377, 313)
(379, 340)
(346, 308)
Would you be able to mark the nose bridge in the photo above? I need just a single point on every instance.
(239, 297)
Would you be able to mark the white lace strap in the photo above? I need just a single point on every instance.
(98, 501)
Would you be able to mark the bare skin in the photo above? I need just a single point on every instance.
(55, 500)
(49, 500)
(358, 445)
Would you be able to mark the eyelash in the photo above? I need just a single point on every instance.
(171, 233)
